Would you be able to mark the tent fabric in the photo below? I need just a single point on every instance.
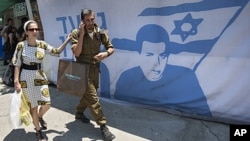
(5, 4)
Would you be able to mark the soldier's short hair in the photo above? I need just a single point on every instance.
(85, 12)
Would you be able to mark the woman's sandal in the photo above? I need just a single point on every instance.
(43, 124)
(40, 136)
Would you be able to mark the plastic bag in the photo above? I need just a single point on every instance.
(25, 111)
(15, 110)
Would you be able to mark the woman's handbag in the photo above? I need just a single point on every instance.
(8, 76)
(72, 77)
(6, 47)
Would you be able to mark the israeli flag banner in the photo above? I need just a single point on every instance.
(189, 58)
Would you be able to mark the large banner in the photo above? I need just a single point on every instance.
(185, 57)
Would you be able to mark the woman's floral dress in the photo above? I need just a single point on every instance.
(34, 83)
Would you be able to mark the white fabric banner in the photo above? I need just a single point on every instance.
(186, 57)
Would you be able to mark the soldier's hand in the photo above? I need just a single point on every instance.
(81, 28)
(100, 56)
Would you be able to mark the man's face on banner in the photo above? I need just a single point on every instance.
(154, 60)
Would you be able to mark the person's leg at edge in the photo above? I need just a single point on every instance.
(5, 58)
(35, 118)
(82, 106)
(92, 100)
(43, 109)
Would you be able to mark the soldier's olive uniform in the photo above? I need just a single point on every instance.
(90, 48)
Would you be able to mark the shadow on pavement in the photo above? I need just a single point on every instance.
(21, 135)
(77, 131)
(122, 118)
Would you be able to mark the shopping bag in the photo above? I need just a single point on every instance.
(25, 115)
(72, 77)
(15, 104)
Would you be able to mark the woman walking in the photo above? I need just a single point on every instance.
(29, 76)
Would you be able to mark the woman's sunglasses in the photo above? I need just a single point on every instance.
(33, 29)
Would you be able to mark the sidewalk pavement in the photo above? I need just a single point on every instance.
(127, 122)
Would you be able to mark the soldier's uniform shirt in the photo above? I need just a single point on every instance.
(90, 48)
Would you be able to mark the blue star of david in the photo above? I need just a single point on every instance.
(187, 21)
